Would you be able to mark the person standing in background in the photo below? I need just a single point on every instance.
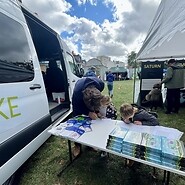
(174, 81)
(91, 72)
(110, 81)
(119, 77)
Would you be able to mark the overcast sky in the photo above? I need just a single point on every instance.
(98, 27)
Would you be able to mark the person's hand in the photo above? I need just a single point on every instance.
(99, 115)
(138, 122)
(93, 115)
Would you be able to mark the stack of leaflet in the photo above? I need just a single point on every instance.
(151, 149)
(115, 139)
(173, 153)
(73, 128)
(131, 144)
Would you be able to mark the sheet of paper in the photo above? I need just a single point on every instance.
(170, 133)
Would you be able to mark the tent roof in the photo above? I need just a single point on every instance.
(166, 36)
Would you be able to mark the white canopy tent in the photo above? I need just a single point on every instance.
(166, 36)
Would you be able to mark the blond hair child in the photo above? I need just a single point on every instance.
(105, 102)
(107, 109)
(131, 114)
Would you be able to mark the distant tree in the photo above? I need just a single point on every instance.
(132, 59)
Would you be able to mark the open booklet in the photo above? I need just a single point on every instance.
(73, 128)
(167, 132)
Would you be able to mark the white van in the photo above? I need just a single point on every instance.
(31, 100)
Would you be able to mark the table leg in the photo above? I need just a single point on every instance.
(70, 151)
(166, 177)
(71, 159)
(153, 174)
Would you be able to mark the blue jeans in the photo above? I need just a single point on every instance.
(110, 88)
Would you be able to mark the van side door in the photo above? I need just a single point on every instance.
(23, 103)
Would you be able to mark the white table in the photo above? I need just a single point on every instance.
(97, 138)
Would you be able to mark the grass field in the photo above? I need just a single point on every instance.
(90, 169)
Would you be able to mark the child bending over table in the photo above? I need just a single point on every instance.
(131, 114)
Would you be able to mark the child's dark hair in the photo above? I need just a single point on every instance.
(158, 86)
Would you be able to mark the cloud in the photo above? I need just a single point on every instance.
(82, 2)
(134, 21)
(115, 39)
(119, 7)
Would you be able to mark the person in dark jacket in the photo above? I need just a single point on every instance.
(91, 72)
(54, 78)
(110, 81)
(131, 114)
(80, 95)
(174, 81)
(86, 99)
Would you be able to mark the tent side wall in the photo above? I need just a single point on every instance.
(166, 36)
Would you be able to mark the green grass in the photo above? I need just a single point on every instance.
(89, 169)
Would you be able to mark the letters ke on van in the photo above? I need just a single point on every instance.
(11, 108)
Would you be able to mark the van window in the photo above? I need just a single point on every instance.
(73, 65)
(15, 56)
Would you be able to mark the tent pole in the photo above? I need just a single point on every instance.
(134, 83)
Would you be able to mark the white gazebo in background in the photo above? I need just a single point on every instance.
(100, 68)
